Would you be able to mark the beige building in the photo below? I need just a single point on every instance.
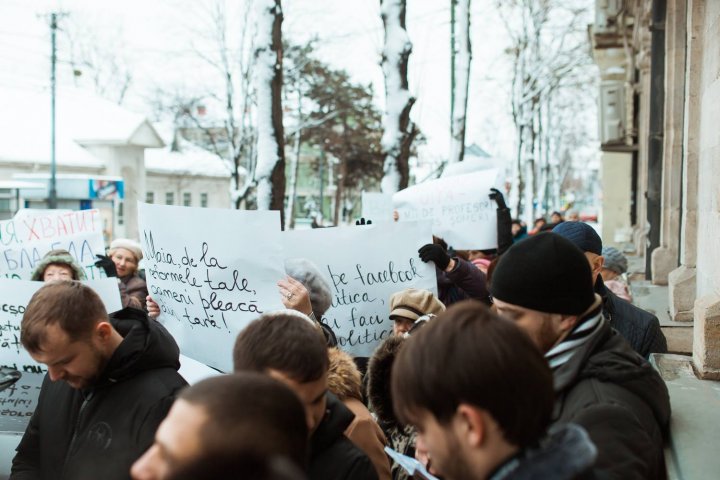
(660, 112)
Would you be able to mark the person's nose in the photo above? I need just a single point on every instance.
(56, 373)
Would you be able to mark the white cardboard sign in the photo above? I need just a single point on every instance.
(364, 266)
(212, 272)
(459, 207)
(377, 207)
(25, 240)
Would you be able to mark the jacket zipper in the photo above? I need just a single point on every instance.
(86, 400)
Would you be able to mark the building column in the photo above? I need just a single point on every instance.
(683, 280)
(665, 258)
(616, 178)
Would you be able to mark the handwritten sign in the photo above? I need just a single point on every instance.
(14, 298)
(211, 272)
(364, 266)
(25, 240)
(18, 402)
(378, 207)
(458, 206)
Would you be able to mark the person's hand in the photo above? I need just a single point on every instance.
(396, 215)
(362, 221)
(152, 307)
(294, 295)
(106, 263)
(496, 195)
(436, 254)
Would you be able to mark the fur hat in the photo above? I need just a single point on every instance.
(547, 273)
(57, 257)
(307, 273)
(413, 303)
(344, 378)
(378, 381)
(130, 245)
(614, 260)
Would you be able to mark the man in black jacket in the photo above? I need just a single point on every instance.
(291, 348)
(543, 283)
(119, 378)
(640, 328)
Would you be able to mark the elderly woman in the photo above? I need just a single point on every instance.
(122, 262)
(57, 265)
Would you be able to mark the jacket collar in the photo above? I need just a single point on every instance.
(333, 425)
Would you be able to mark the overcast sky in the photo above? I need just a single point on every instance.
(156, 38)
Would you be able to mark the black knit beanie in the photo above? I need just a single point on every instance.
(547, 273)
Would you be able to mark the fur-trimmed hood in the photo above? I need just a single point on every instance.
(344, 378)
(57, 257)
(378, 381)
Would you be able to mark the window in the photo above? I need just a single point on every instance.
(150, 197)
(169, 198)
(187, 199)
(121, 213)
(204, 200)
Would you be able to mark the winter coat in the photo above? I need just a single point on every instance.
(133, 291)
(344, 381)
(332, 455)
(566, 454)
(464, 281)
(620, 400)
(401, 437)
(98, 432)
(640, 328)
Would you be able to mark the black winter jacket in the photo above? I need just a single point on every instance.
(332, 455)
(98, 432)
(620, 400)
(640, 328)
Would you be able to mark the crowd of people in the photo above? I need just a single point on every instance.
(530, 362)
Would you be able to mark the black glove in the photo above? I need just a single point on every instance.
(362, 221)
(106, 264)
(496, 195)
(436, 254)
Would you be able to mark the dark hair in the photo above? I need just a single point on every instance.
(237, 466)
(282, 341)
(509, 378)
(75, 307)
(250, 412)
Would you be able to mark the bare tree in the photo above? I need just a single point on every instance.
(400, 132)
(463, 55)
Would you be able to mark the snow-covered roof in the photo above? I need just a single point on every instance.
(82, 118)
(189, 160)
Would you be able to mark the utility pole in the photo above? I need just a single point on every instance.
(52, 198)
(453, 4)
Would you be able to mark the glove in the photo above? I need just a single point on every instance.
(436, 254)
(496, 195)
(106, 264)
(362, 221)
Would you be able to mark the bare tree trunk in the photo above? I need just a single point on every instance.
(462, 75)
(270, 169)
(399, 133)
(294, 165)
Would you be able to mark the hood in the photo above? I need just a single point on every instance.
(378, 381)
(57, 259)
(609, 358)
(564, 454)
(344, 378)
(146, 345)
(333, 425)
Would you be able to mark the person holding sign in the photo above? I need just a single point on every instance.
(110, 383)
(122, 262)
(288, 346)
(484, 411)
(57, 265)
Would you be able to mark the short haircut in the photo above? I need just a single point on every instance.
(252, 413)
(74, 307)
(284, 342)
(470, 355)
(238, 465)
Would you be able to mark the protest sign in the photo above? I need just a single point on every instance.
(377, 207)
(364, 266)
(26, 239)
(18, 402)
(458, 206)
(211, 272)
(14, 297)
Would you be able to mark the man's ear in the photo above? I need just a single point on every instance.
(103, 331)
(598, 265)
(567, 322)
(470, 421)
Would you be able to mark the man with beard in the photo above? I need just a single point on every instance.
(119, 378)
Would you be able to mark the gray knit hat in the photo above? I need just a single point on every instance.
(57, 257)
(614, 260)
(307, 273)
